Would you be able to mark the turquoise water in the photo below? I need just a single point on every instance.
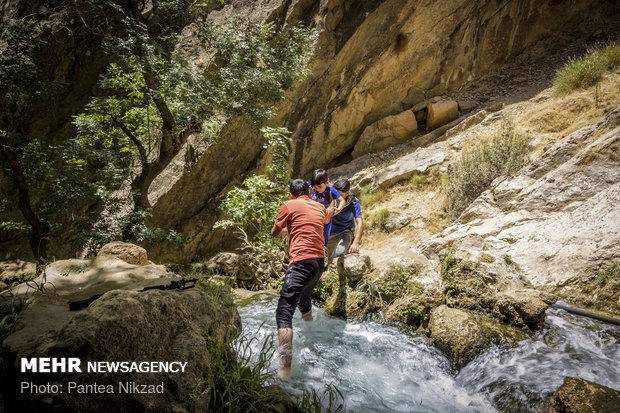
(382, 368)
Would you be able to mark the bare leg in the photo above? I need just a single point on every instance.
(307, 316)
(285, 339)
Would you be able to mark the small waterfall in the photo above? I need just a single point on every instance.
(381, 368)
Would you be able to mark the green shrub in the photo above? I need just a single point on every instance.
(367, 198)
(252, 209)
(501, 155)
(586, 71)
(380, 217)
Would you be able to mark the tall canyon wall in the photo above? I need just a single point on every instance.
(376, 59)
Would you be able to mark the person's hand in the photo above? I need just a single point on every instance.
(354, 248)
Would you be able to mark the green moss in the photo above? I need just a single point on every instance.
(465, 283)
(487, 258)
(221, 294)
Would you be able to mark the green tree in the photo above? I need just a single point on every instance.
(252, 209)
(50, 184)
(156, 96)
(155, 93)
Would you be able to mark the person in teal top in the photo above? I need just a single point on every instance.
(325, 194)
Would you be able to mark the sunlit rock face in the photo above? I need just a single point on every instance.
(374, 61)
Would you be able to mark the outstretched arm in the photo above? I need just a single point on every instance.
(359, 228)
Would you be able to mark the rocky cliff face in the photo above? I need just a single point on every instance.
(384, 59)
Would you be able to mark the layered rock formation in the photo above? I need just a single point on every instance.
(375, 62)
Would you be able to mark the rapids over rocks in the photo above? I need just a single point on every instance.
(386, 368)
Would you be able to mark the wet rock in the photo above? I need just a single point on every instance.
(463, 335)
(395, 221)
(354, 266)
(130, 253)
(231, 265)
(577, 395)
(122, 326)
(522, 307)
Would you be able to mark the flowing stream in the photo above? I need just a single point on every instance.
(382, 368)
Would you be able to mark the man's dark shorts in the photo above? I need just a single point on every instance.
(299, 281)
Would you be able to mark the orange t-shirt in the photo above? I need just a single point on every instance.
(304, 219)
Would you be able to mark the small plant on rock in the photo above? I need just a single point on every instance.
(501, 155)
(586, 71)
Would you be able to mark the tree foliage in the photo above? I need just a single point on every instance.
(159, 88)
(252, 209)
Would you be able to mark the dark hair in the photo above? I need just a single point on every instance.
(342, 185)
(319, 177)
(298, 187)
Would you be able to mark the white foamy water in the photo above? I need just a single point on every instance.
(380, 368)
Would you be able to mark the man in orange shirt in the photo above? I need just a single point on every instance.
(304, 219)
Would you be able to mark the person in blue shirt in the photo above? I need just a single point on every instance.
(325, 194)
(347, 225)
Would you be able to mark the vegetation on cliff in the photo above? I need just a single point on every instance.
(171, 74)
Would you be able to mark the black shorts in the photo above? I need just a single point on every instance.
(299, 281)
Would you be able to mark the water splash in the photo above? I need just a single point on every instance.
(381, 368)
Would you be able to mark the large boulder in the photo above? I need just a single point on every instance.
(121, 326)
(354, 266)
(462, 335)
(386, 132)
(419, 161)
(441, 113)
(522, 307)
(395, 221)
(577, 395)
(130, 253)
(230, 264)
(76, 279)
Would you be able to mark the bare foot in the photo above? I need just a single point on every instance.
(307, 316)
(284, 374)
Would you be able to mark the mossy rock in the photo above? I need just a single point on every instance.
(462, 335)
(522, 307)
(467, 284)
(415, 309)
(577, 395)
